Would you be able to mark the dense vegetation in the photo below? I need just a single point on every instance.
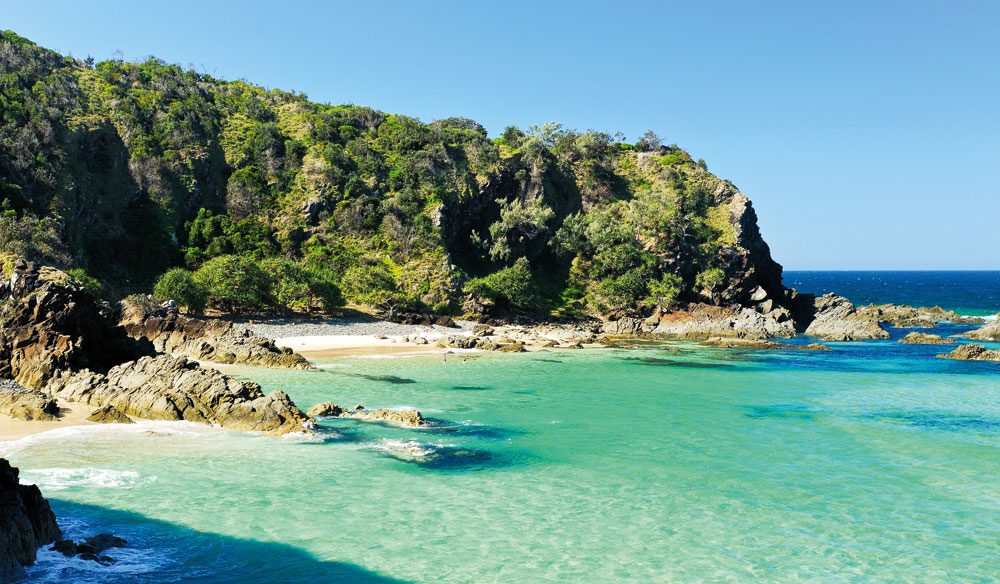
(145, 176)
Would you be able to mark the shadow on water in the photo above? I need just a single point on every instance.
(164, 552)
(938, 421)
(444, 457)
(661, 362)
(547, 361)
(470, 388)
(446, 427)
(783, 411)
(383, 378)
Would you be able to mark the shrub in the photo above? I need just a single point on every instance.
(233, 283)
(710, 280)
(90, 283)
(370, 285)
(179, 285)
(513, 285)
(664, 292)
(297, 288)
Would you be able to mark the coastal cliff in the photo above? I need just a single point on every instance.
(26, 523)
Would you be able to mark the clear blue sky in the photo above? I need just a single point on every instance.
(866, 133)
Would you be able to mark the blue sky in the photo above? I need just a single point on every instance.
(865, 132)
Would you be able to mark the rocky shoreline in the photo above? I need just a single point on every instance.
(26, 523)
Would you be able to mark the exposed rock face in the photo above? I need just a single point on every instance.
(26, 404)
(174, 388)
(704, 321)
(48, 322)
(325, 410)
(903, 316)
(988, 332)
(750, 259)
(405, 418)
(26, 523)
(916, 338)
(109, 415)
(836, 319)
(972, 353)
(736, 343)
(214, 340)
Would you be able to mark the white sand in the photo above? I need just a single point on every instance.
(73, 414)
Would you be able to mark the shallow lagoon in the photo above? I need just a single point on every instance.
(674, 463)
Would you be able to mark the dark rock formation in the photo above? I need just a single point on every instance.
(26, 404)
(109, 415)
(756, 275)
(972, 353)
(916, 338)
(836, 319)
(91, 548)
(214, 340)
(174, 388)
(26, 523)
(48, 322)
(988, 332)
(903, 316)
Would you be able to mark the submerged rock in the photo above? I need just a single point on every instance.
(836, 319)
(90, 548)
(734, 343)
(972, 353)
(175, 388)
(214, 340)
(406, 418)
(26, 404)
(916, 338)
(109, 415)
(26, 523)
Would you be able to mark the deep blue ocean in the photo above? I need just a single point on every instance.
(974, 293)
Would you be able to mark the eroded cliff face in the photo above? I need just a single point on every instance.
(26, 523)
(755, 276)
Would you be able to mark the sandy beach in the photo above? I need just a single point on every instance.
(73, 414)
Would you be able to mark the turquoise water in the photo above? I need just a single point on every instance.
(873, 462)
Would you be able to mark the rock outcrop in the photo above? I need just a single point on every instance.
(916, 338)
(109, 415)
(49, 322)
(215, 340)
(26, 523)
(175, 388)
(26, 404)
(972, 353)
(988, 332)
(91, 548)
(903, 316)
(736, 343)
(405, 418)
(836, 319)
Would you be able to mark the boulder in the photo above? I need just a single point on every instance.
(26, 404)
(109, 415)
(325, 410)
(972, 353)
(903, 316)
(406, 418)
(988, 332)
(26, 523)
(215, 340)
(836, 319)
(175, 388)
(916, 338)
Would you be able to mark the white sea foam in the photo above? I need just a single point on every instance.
(60, 479)
(407, 449)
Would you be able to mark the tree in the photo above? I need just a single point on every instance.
(513, 285)
(233, 283)
(179, 285)
(710, 280)
(664, 292)
(649, 142)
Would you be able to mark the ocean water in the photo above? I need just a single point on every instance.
(874, 462)
(974, 293)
